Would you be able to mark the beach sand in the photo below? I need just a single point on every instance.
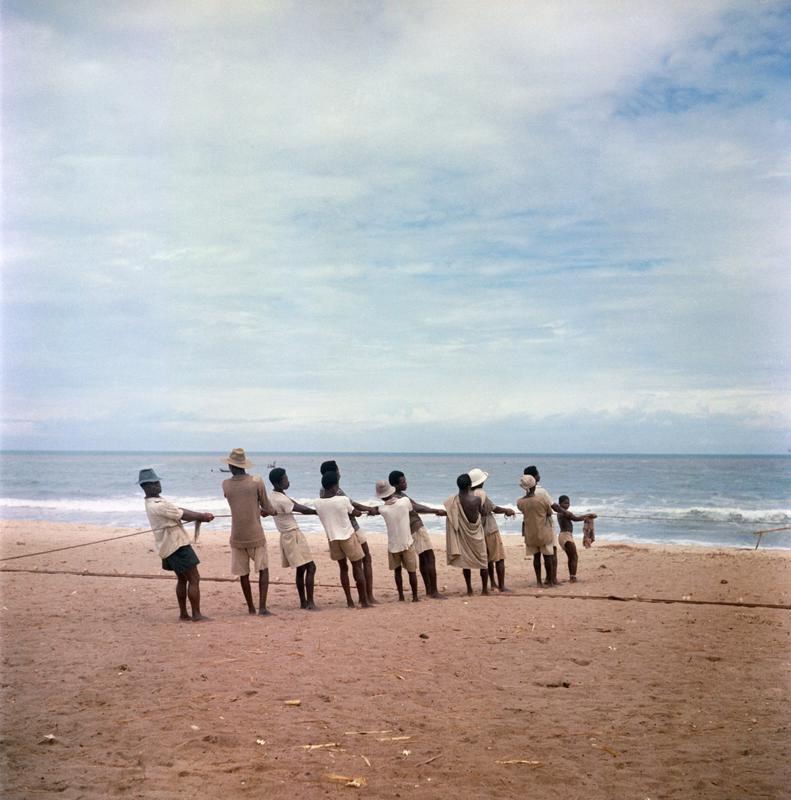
(539, 693)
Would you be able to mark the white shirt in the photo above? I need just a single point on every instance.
(396, 517)
(334, 515)
(284, 521)
(165, 519)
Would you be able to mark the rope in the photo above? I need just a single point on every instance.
(544, 596)
(88, 544)
(760, 534)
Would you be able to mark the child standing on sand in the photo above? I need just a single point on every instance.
(566, 537)
(173, 542)
(294, 548)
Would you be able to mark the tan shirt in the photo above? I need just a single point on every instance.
(165, 520)
(536, 520)
(247, 498)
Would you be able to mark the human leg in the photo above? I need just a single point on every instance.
(193, 593)
(399, 582)
(571, 554)
(413, 586)
(537, 567)
(263, 589)
(309, 584)
(468, 580)
(244, 580)
(424, 572)
(343, 566)
(303, 603)
(500, 567)
(368, 572)
(358, 570)
(485, 581)
(181, 595)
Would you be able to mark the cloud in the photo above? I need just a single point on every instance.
(388, 217)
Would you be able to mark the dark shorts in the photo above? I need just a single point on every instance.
(183, 559)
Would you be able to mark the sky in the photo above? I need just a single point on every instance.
(369, 226)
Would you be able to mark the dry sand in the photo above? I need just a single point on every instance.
(586, 697)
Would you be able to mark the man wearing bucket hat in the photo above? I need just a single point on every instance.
(246, 495)
(173, 542)
(495, 551)
(537, 528)
(400, 549)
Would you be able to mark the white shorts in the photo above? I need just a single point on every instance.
(242, 556)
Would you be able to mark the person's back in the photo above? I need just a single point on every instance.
(470, 504)
(246, 497)
(396, 516)
(536, 520)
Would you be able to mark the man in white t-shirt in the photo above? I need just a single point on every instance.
(173, 542)
(334, 510)
(540, 491)
(400, 549)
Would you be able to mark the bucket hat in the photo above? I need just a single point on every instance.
(238, 458)
(527, 481)
(147, 475)
(384, 490)
(477, 476)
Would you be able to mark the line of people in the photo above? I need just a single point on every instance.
(472, 535)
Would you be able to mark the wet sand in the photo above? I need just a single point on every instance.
(542, 693)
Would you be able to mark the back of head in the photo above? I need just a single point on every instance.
(328, 466)
(394, 477)
(463, 481)
(276, 475)
(531, 470)
(329, 480)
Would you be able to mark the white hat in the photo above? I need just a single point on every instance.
(527, 481)
(384, 490)
(237, 458)
(477, 476)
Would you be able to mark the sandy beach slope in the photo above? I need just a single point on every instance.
(554, 693)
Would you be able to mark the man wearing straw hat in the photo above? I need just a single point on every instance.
(246, 495)
(173, 542)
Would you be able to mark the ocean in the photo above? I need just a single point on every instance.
(665, 499)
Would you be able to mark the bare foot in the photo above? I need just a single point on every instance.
(303, 603)
(573, 579)
(185, 618)
(505, 590)
(470, 593)
(485, 592)
(365, 604)
(415, 599)
(311, 606)
(200, 618)
(372, 601)
(438, 596)
(265, 612)
(401, 599)
(251, 610)
(350, 604)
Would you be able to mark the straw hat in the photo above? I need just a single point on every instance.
(237, 458)
(147, 476)
(477, 476)
(527, 482)
(384, 490)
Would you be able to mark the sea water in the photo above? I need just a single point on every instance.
(704, 500)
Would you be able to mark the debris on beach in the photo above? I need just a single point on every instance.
(424, 636)
(50, 738)
(319, 746)
(292, 702)
(354, 783)
(395, 739)
(527, 762)
(262, 742)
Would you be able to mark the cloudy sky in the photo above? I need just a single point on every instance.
(425, 226)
